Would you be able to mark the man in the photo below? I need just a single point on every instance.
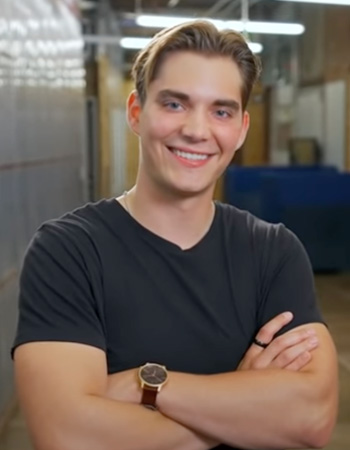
(162, 320)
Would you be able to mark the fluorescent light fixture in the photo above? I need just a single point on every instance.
(134, 42)
(323, 2)
(238, 25)
(266, 27)
(255, 47)
(138, 43)
(168, 21)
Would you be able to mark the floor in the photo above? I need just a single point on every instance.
(334, 294)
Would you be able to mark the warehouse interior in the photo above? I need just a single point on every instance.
(64, 80)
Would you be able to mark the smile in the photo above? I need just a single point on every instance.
(188, 155)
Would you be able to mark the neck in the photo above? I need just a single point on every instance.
(183, 221)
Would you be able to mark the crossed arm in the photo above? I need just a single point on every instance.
(281, 397)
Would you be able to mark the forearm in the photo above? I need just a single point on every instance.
(102, 424)
(250, 409)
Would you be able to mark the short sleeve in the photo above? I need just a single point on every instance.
(60, 295)
(287, 280)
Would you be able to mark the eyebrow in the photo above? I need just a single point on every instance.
(165, 93)
(232, 104)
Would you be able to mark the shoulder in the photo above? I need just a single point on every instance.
(269, 242)
(86, 220)
(243, 222)
(74, 233)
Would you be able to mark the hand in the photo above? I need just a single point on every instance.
(124, 387)
(289, 351)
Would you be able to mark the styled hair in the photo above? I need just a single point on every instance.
(201, 37)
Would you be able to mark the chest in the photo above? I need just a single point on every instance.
(192, 313)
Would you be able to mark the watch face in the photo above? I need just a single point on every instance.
(153, 374)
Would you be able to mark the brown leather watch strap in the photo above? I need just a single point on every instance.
(149, 397)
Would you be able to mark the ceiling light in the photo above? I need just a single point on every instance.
(139, 43)
(255, 47)
(134, 42)
(238, 25)
(324, 2)
(169, 21)
(266, 27)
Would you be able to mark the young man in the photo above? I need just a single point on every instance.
(198, 290)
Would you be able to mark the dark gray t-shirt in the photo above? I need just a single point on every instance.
(98, 277)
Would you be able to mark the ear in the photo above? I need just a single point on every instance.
(133, 106)
(244, 130)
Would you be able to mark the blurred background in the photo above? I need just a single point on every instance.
(64, 79)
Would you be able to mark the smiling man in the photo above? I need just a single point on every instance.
(162, 320)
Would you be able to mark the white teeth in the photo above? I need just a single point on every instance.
(192, 156)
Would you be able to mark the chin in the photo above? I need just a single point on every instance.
(193, 191)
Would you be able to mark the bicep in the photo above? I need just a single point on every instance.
(51, 379)
(61, 297)
(324, 358)
(322, 372)
(289, 285)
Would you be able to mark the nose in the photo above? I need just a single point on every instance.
(196, 126)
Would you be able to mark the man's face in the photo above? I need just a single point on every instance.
(191, 123)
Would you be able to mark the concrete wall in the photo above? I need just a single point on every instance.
(42, 116)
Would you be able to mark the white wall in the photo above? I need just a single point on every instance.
(281, 122)
(321, 113)
(309, 114)
(335, 124)
(312, 112)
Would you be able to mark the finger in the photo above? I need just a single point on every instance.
(266, 334)
(291, 354)
(268, 331)
(284, 349)
(300, 362)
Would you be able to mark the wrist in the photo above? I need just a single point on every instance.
(168, 397)
(162, 394)
(152, 378)
(124, 386)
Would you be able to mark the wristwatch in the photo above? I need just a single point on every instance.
(152, 378)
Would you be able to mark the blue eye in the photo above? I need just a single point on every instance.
(222, 113)
(175, 106)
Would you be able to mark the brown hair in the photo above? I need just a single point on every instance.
(201, 37)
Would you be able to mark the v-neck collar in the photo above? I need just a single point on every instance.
(163, 243)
